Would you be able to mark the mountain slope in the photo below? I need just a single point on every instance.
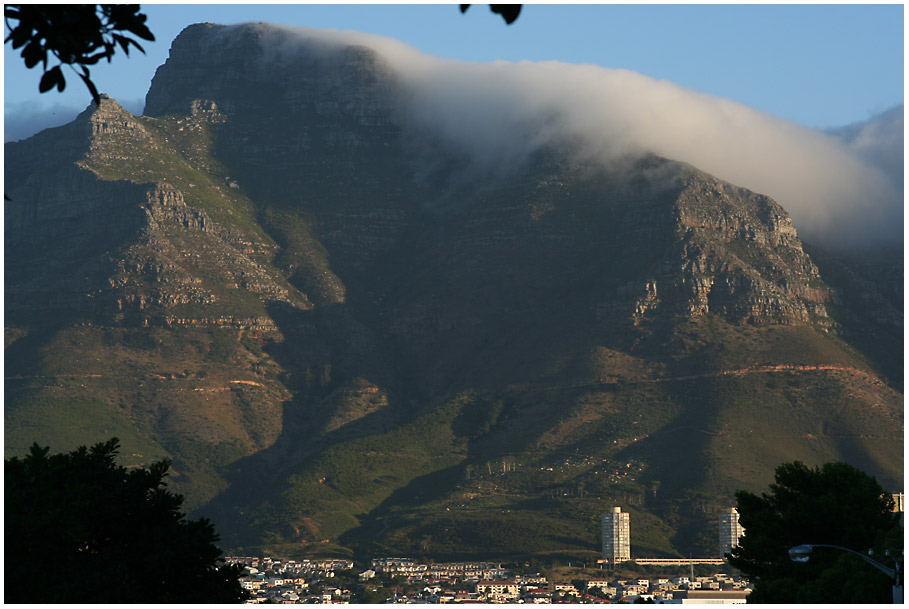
(340, 333)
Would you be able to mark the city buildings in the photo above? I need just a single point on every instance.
(616, 537)
(405, 580)
(730, 531)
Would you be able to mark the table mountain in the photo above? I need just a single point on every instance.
(349, 339)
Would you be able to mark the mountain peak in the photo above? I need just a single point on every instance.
(267, 69)
(108, 117)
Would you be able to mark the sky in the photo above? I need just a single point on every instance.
(799, 102)
(821, 66)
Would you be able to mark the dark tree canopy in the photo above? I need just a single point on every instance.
(81, 529)
(834, 504)
(509, 12)
(75, 34)
(81, 35)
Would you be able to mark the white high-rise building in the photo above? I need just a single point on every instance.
(616, 536)
(730, 531)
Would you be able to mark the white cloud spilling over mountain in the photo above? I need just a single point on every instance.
(879, 141)
(843, 188)
(499, 112)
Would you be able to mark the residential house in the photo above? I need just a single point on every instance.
(463, 596)
(531, 578)
(567, 589)
(633, 590)
(727, 597)
(497, 589)
(607, 590)
(446, 596)
(536, 595)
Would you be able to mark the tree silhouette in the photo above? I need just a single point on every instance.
(105, 534)
(509, 12)
(76, 34)
(835, 504)
(80, 35)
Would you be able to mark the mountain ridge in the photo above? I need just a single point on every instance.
(333, 339)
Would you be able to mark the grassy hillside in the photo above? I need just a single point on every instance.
(529, 471)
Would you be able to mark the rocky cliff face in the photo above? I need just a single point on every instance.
(262, 280)
(330, 115)
(737, 255)
(161, 253)
(247, 68)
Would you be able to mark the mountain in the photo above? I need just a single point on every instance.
(350, 338)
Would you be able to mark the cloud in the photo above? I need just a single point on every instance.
(24, 119)
(879, 141)
(841, 188)
(836, 189)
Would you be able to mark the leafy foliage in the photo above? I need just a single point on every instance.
(834, 504)
(509, 12)
(76, 34)
(112, 534)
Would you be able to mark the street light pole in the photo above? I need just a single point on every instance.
(803, 553)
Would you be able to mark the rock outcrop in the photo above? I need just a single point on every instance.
(735, 254)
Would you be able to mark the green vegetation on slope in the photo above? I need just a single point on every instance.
(71, 422)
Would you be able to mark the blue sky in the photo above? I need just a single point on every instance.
(818, 65)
